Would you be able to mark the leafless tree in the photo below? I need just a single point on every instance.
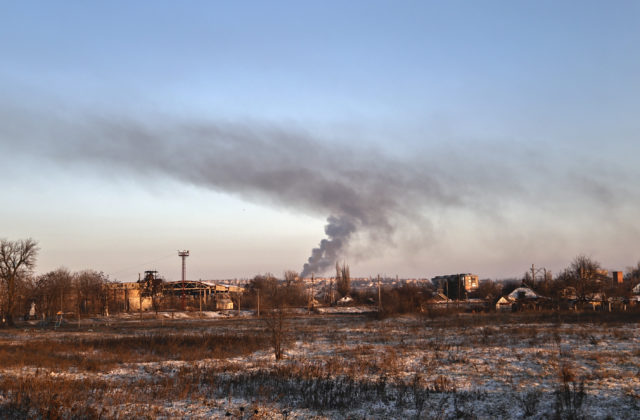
(584, 267)
(584, 275)
(633, 273)
(256, 289)
(488, 289)
(276, 313)
(152, 286)
(51, 289)
(295, 289)
(291, 277)
(343, 279)
(90, 291)
(17, 259)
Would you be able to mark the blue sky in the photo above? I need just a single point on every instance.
(525, 111)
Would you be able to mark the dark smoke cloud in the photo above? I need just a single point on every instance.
(364, 193)
(338, 230)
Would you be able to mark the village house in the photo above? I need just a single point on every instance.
(522, 298)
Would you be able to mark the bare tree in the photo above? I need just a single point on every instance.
(90, 291)
(633, 273)
(152, 286)
(343, 279)
(50, 291)
(584, 267)
(290, 277)
(488, 289)
(584, 274)
(256, 289)
(295, 289)
(17, 259)
(275, 315)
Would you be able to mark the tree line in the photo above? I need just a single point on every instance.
(60, 290)
(85, 292)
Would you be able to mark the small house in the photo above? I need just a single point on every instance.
(505, 304)
(521, 298)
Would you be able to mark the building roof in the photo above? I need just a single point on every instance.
(528, 293)
(505, 300)
(439, 297)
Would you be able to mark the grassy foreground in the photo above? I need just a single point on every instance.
(340, 366)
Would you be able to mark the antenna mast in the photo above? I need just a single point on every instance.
(183, 254)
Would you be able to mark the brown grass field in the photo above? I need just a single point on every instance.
(538, 365)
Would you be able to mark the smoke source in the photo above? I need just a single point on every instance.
(363, 193)
(338, 231)
(360, 191)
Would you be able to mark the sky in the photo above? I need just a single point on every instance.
(412, 138)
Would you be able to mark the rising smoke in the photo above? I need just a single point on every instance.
(362, 192)
(338, 230)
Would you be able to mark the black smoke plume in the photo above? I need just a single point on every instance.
(365, 194)
(338, 230)
(361, 191)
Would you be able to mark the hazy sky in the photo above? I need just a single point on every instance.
(430, 137)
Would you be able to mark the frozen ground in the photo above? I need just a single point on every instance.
(335, 366)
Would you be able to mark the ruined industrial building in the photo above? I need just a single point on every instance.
(153, 293)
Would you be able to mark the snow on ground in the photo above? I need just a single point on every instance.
(344, 310)
(364, 368)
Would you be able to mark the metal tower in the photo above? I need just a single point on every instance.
(183, 255)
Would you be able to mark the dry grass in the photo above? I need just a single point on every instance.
(475, 366)
(103, 353)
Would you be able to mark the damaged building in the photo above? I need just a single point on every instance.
(153, 293)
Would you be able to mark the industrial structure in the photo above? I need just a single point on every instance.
(153, 293)
(183, 255)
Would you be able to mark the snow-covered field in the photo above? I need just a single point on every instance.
(335, 366)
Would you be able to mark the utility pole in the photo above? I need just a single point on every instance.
(458, 297)
(379, 296)
(258, 303)
(183, 254)
(78, 304)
